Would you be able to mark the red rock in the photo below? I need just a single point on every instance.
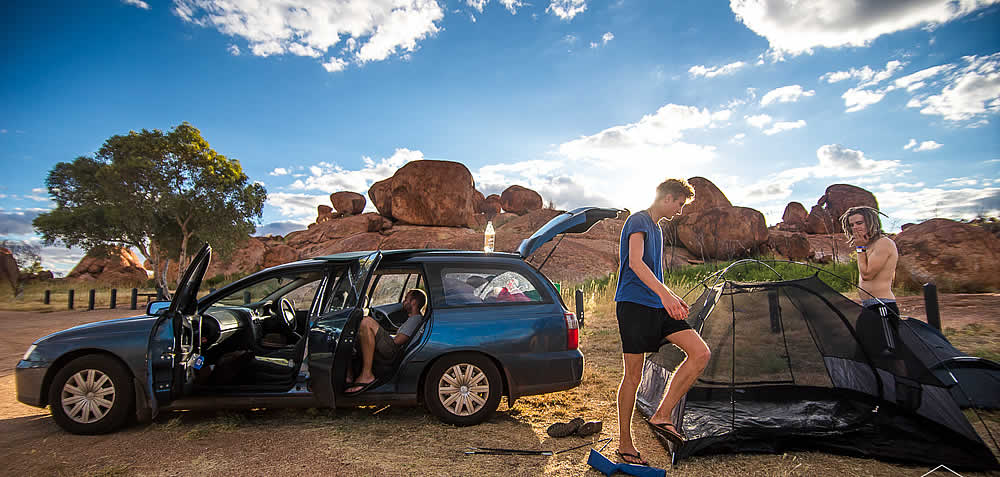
(576, 259)
(722, 232)
(114, 265)
(355, 243)
(348, 203)
(795, 217)
(510, 234)
(827, 248)
(957, 257)
(675, 257)
(323, 213)
(706, 196)
(338, 228)
(520, 200)
(246, 259)
(789, 245)
(453, 238)
(433, 192)
(381, 195)
(8, 269)
(278, 255)
(840, 197)
(819, 221)
(490, 205)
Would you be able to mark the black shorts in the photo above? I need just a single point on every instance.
(644, 329)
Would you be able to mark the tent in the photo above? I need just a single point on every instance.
(979, 377)
(789, 371)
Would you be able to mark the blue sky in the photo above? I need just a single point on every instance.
(589, 103)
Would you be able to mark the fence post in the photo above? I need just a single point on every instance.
(579, 307)
(159, 293)
(71, 296)
(114, 298)
(91, 299)
(48, 297)
(931, 306)
(135, 298)
(246, 298)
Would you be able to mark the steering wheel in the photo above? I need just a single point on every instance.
(287, 311)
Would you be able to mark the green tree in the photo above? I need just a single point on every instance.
(161, 193)
(27, 256)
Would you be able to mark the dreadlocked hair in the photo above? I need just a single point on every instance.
(873, 223)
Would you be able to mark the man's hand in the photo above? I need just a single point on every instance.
(676, 307)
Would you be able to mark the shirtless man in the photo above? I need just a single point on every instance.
(877, 257)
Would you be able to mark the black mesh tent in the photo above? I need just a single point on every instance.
(790, 371)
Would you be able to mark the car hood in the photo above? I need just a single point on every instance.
(142, 323)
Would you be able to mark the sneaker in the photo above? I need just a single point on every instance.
(589, 427)
(563, 429)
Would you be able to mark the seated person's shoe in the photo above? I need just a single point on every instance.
(563, 429)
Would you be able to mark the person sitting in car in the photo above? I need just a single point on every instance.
(377, 343)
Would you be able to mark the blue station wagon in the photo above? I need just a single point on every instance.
(287, 337)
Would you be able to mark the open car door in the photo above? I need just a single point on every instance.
(575, 221)
(172, 356)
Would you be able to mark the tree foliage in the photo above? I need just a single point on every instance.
(162, 193)
(27, 256)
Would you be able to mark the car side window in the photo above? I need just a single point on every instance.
(479, 286)
(390, 287)
(299, 286)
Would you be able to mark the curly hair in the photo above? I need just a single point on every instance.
(677, 188)
(873, 224)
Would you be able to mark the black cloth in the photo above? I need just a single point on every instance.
(644, 329)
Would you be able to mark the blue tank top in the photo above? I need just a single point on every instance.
(630, 287)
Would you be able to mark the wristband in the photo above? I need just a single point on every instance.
(860, 249)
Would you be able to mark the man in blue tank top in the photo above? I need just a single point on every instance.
(651, 315)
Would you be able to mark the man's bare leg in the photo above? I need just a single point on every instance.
(684, 377)
(626, 401)
(366, 336)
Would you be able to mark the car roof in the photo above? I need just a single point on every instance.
(398, 254)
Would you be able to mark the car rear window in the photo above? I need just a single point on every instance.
(479, 286)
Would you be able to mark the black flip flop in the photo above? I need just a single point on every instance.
(670, 432)
(636, 456)
(364, 387)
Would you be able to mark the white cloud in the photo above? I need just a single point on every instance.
(857, 99)
(299, 208)
(713, 71)
(477, 4)
(797, 26)
(330, 178)
(378, 28)
(836, 160)
(3, 131)
(971, 92)
(960, 181)
(566, 9)
(916, 80)
(512, 5)
(605, 38)
(758, 121)
(137, 3)
(234, 50)
(865, 75)
(278, 171)
(785, 94)
(738, 138)
(927, 203)
(785, 126)
(923, 146)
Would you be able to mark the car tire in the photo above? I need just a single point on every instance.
(91, 395)
(463, 389)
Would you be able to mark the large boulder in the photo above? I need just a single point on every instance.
(956, 257)
(279, 254)
(706, 196)
(520, 200)
(722, 232)
(348, 203)
(829, 248)
(323, 213)
(381, 195)
(8, 269)
(789, 245)
(246, 259)
(454, 238)
(491, 205)
(354, 243)
(510, 234)
(317, 239)
(114, 265)
(795, 217)
(433, 192)
(819, 221)
(840, 197)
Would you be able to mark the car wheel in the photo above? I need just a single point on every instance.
(463, 389)
(91, 395)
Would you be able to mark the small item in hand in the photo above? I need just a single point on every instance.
(860, 249)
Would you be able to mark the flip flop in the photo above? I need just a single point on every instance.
(362, 387)
(669, 430)
(625, 456)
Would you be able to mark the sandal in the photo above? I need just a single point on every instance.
(636, 458)
(358, 388)
(669, 430)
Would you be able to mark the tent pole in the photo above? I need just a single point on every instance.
(931, 306)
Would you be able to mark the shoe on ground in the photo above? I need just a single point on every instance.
(563, 429)
(589, 427)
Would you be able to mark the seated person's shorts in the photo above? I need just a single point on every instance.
(644, 329)
(385, 346)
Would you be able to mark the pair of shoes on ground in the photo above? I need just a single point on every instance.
(575, 426)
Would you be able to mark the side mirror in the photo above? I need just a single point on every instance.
(155, 307)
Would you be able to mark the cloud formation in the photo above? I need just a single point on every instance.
(369, 30)
(785, 94)
(330, 178)
(798, 26)
(971, 92)
(713, 71)
(785, 126)
(137, 3)
(923, 146)
(566, 9)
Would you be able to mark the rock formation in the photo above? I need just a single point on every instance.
(818, 221)
(348, 203)
(722, 233)
(956, 257)
(794, 218)
(439, 193)
(840, 197)
(520, 200)
(115, 265)
(789, 245)
(323, 213)
(381, 195)
(706, 196)
(8, 270)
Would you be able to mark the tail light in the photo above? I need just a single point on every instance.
(572, 330)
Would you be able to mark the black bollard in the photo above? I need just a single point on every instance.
(71, 294)
(135, 298)
(579, 307)
(159, 294)
(246, 298)
(114, 298)
(48, 297)
(931, 306)
(90, 299)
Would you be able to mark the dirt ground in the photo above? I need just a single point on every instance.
(390, 441)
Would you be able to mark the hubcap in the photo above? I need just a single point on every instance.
(463, 389)
(87, 396)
